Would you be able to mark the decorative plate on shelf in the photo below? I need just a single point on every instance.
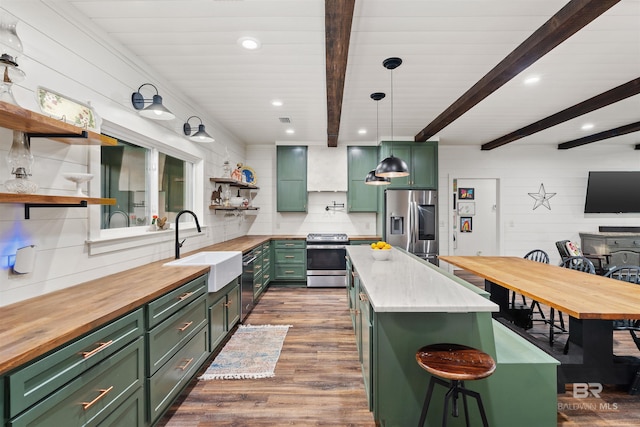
(249, 175)
(70, 111)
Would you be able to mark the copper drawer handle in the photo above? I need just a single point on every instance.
(186, 365)
(289, 272)
(185, 296)
(228, 304)
(186, 326)
(101, 346)
(266, 276)
(289, 256)
(103, 393)
(362, 296)
(289, 244)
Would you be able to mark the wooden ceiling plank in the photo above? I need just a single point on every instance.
(338, 19)
(567, 21)
(602, 100)
(611, 133)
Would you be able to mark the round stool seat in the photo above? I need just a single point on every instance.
(455, 362)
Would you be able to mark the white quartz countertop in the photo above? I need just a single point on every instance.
(405, 284)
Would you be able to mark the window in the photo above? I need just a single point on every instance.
(123, 173)
(127, 174)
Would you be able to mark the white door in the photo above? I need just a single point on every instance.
(476, 228)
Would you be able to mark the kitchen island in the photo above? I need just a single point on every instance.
(405, 303)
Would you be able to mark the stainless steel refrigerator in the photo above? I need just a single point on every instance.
(411, 222)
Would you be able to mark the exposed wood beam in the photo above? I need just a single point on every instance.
(619, 131)
(606, 98)
(569, 20)
(338, 15)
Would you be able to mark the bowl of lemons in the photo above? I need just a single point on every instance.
(381, 251)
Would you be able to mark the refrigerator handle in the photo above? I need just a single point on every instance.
(412, 225)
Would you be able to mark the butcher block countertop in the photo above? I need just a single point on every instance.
(33, 327)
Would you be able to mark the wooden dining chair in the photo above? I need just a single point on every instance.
(631, 274)
(537, 255)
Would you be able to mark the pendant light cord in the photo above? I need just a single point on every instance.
(391, 112)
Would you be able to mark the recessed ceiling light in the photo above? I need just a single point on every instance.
(277, 103)
(249, 43)
(532, 80)
(587, 126)
(290, 131)
(362, 131)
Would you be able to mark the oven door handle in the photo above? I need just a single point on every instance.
(326, 247)
(247, 262)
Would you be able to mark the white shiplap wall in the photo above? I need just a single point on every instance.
(520, 169)
(79, 64)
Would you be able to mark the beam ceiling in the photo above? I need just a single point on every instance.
(338, 19)
(570, 19)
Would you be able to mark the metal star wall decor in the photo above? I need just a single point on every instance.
(541, 198)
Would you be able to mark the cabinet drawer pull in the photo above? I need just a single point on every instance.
(228, 303)
(186, 326)
(289, 256)
(362, 296)
(101, 346)
(186, 365)
(103, 393)
(289, 271)
(185, 296)
(289, 244)
(265, 276)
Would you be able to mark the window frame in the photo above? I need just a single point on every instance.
(109, 240)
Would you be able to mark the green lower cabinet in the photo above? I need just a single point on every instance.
(290, 261)
(165, 385)
(92, 397)
(129, 414)
(224, 312)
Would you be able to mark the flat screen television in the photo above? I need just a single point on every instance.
(613, 192)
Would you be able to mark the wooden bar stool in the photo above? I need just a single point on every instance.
(457, 363)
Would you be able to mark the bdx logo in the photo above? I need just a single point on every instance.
(582, 390)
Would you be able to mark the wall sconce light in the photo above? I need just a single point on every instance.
(201, 135)
(156, 110)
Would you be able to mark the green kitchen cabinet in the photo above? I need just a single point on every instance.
(177, 343)
(267, 268)
(360, 196)
(291, 184)
(46, 377)
(91, 397)
(262, 269)
(224, 312)
(290, 261)
(421, 158)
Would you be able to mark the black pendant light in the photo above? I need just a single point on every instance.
(371, 178)
(392, 167)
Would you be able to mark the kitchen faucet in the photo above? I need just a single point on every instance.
(178, 242)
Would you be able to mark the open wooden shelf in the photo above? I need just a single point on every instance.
(232, 208)
(17, 118)
(49, 201)
(54, 200)
(234, 183)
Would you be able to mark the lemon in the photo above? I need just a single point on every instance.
(373, 246)
(380, 244)
(387, 246)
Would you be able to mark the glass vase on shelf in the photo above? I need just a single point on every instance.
(20, 161)
(10, 50)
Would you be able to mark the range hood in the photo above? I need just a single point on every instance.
(326, 168)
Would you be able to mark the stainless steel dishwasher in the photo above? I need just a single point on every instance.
(246, 284)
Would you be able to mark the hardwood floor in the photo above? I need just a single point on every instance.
(318, 379)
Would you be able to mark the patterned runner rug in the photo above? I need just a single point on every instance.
(252, 352)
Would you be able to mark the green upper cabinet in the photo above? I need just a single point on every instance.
(291, 178)
(422, 159)
(360, 196)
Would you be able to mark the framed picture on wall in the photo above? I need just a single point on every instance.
(466, 194)
(467, 208)
(466, 225)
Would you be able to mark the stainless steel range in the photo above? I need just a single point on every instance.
(326, 260)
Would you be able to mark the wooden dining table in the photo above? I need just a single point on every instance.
(592, 303)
